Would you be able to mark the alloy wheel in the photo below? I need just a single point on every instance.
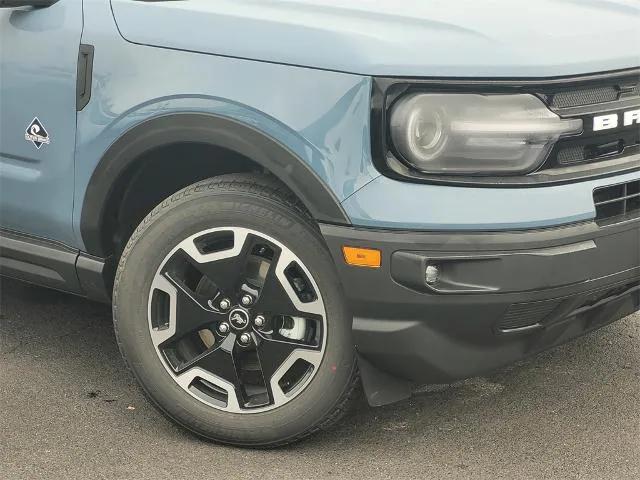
(237, 320)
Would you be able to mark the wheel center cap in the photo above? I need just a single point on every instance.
(239, 318)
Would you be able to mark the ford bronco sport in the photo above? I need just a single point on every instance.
(285, 200)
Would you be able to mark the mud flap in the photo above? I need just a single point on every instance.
(380, 387)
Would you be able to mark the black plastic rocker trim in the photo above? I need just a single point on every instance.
(39, 261)
(54, 265)
(96, 276)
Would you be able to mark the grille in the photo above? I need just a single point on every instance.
(587, 96)
(585, 102)
(523, 315)
(601, 296)
(590, 96)
(617, 203)
(570, 155)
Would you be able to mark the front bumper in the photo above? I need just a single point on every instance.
(501, 296)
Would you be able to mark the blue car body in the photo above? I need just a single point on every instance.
(298, 71)
(300, 75)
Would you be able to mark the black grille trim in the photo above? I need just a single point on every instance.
(593, 95)
(526, 315)
(591, 147)
(536, 317)
(571, 155)
(586, 96)
(617, 203)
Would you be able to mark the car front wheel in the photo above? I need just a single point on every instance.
(228, 311)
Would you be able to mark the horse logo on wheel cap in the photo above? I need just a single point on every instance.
(239, 318)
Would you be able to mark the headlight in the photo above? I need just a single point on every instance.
(469, 134)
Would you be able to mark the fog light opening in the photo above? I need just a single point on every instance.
(431, 274)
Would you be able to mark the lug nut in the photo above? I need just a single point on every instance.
(259, 321)
(223, 328)
(246, 300)
(224, 303)
(245, 338)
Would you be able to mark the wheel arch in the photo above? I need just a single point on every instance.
(199, 128)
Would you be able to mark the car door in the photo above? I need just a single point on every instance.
(38, 68)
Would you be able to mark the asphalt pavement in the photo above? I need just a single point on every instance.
(70, 410)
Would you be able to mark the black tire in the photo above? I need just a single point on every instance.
(259, 203)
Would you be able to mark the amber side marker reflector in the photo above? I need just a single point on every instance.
(361, 257)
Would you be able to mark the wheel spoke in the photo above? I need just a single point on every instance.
(218, 361)
(236, 271)
(191, 315)
(278, 296)
(226, 273)
(277, 354)
(218, 367)
(274, 299)
(186, 313)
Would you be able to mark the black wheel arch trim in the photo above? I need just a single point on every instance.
(210, 129)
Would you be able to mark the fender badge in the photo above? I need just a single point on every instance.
(37, 134)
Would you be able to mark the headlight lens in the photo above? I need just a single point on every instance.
(469, 134)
